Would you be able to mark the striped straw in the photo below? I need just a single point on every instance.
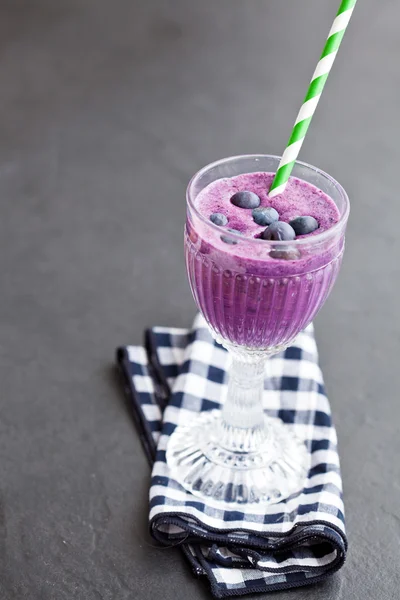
(312, 97)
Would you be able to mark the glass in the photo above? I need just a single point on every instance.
(256, 297)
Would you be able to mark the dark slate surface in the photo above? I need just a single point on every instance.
(106, 110)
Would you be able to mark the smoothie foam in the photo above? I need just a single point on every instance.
(300, 198)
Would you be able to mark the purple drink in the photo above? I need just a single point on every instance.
(257, 288)
(253, 292)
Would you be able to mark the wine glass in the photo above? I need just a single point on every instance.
(255, 296)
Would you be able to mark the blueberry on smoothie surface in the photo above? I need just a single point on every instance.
(285, 254)
(219, 219)
(228, 240)
(279, 231)
(265, 215)
(304, 225)
(246, 199)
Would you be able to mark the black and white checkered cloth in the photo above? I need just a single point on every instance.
(256, 548)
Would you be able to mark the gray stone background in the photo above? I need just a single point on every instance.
(106, 110)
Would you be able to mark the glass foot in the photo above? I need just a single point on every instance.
(275, 471)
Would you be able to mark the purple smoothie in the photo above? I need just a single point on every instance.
(253, 292)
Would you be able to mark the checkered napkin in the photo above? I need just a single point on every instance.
(254, 548)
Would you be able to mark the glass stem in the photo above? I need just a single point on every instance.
(242, 426)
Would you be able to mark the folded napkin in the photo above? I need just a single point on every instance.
(258, 548)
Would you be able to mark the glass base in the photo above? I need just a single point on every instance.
(275, 471)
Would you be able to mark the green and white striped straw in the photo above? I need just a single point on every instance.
(312, 97)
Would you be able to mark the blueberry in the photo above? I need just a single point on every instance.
(245, 200)
(219, 219)
(229, 240)
(304, 225)
(265, 215)
(282, 254)
(279, 230)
